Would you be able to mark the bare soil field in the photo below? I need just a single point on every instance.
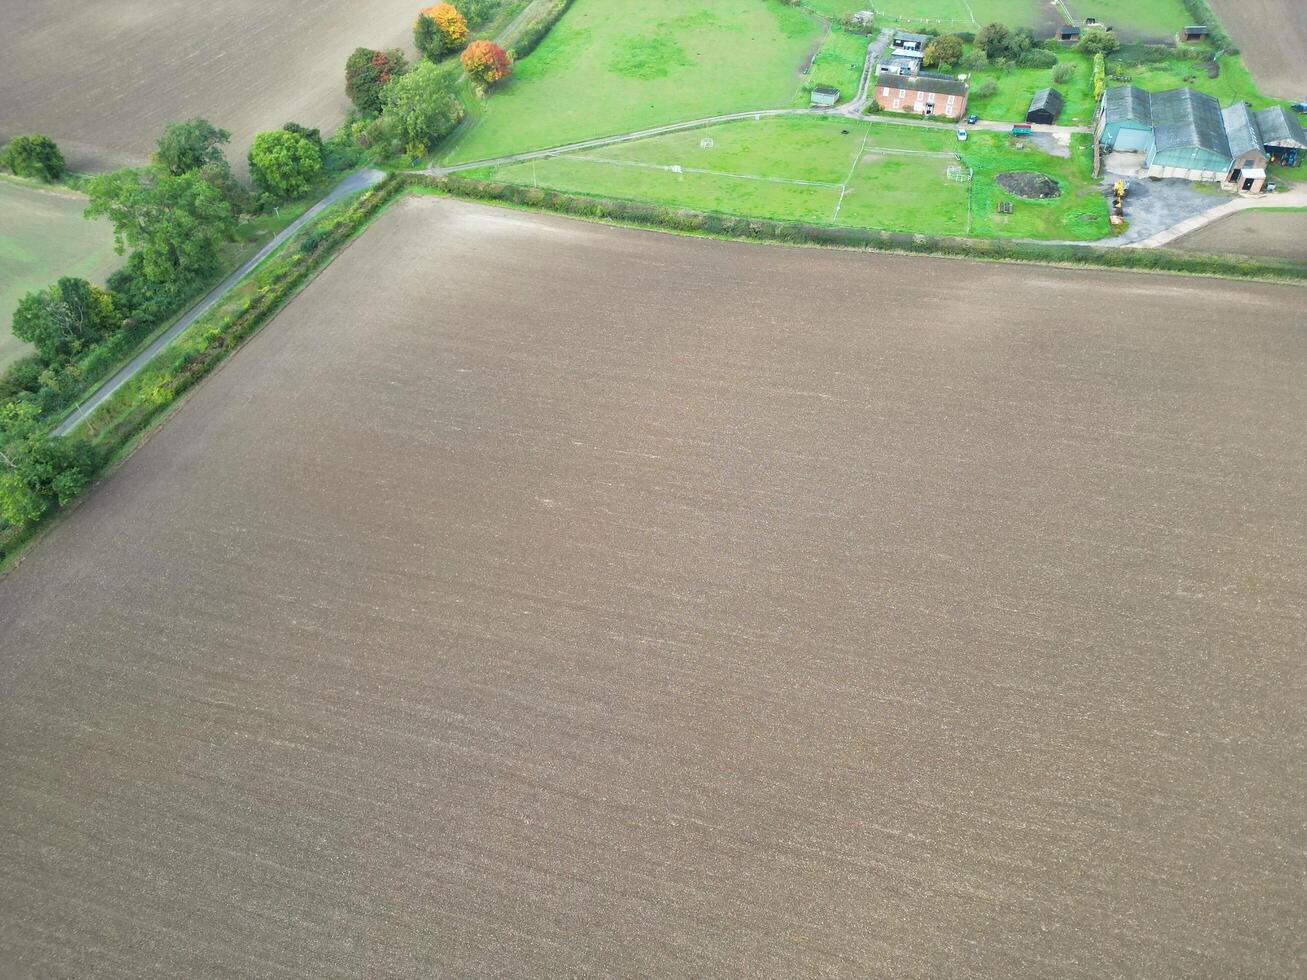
(539, 598)
(104, 79)
(1262, 234)
(1272, 39)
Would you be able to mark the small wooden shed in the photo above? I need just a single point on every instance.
(1068, 33)
(1045, 107)
(1195, 32)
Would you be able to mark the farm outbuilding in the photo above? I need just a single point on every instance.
(1068, 33)
(1282, 135)
(1045, 107)
(1184, 133)
(824, 96)
(1195, 32)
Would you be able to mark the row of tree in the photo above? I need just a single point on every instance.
(1000, 46)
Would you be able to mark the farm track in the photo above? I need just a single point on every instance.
(640, 604)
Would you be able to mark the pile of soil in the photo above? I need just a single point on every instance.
(1024, 183)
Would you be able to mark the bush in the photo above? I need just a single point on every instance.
(1038, 58)
(985, 90)
(1098, 40)
(1063, 74)
(34, 156)
(486, 63)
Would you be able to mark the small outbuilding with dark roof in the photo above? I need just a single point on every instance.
(1045, 107)
(1068, 33)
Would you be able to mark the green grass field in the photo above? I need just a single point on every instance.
(870, 174)
(1232, 85)
(1133, 19)
(839, 64)
(43, 236)
(612, 67)
(1015, 88)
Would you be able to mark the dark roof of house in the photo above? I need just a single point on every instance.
(1241, 130)
(825, 90)
(1066, 30)
(1047, 98)
(927, 83)
(1279, 126)
(1184, 118)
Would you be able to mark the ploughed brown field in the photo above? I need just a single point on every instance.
(543, 598)
(105, 78)
(1272, 39)
(1262, 234)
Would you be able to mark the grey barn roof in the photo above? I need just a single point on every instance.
(1241, 130)
(1280, 127)
(1126, 103)
(907, 36)
(1184, 117)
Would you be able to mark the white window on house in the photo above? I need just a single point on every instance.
(903, 93)
(948, 106)
(897, 103)
(885, 92)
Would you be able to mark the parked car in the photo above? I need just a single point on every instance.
(972, 119)
(1299, 107)
(962, 135)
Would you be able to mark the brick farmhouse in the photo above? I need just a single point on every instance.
(922, 95)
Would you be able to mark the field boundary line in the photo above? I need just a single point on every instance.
(844, 187)
(677, 168)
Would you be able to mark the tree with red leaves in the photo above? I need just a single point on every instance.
(486, 63)
(367, 72)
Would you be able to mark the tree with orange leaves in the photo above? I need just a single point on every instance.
(486, 63)
(446, 31)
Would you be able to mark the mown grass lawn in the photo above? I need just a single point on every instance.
(1233, 84)
(1015, 88)
(839, 65)
(1134, 19)
(871, 174)
(43, 236)
(610, 67)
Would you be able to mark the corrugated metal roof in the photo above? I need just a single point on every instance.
(1185, 118)
(1241, 130)
(1126, 103)
(906, 36)
(1280, 127)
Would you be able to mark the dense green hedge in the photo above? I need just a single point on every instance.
(538, 29)
(1200, 13)
(757, 229)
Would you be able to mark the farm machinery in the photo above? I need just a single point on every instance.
(1119, 191)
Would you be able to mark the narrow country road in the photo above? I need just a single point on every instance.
(355, 182)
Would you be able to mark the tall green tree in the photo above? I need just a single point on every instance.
(174, 222)
(1098, 40)
(285, 164)
(994, 40)
(37, 472)
(34, 156)
(188, 146)
(421, 106)
(427, 39)
(61, 319)
(944, 50)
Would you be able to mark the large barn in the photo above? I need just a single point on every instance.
(1184, 133)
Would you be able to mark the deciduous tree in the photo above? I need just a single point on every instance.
(174, 222)
(486, 63)
(34, 156)
(37, 471)
(285, 163)
(188, 146)
(61, 319)
(368, 72)
(1098, 40)
(993, 40)
(450, 25)
(944, 50)
(421, 106)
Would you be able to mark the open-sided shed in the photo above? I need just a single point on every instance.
(1045, 107)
